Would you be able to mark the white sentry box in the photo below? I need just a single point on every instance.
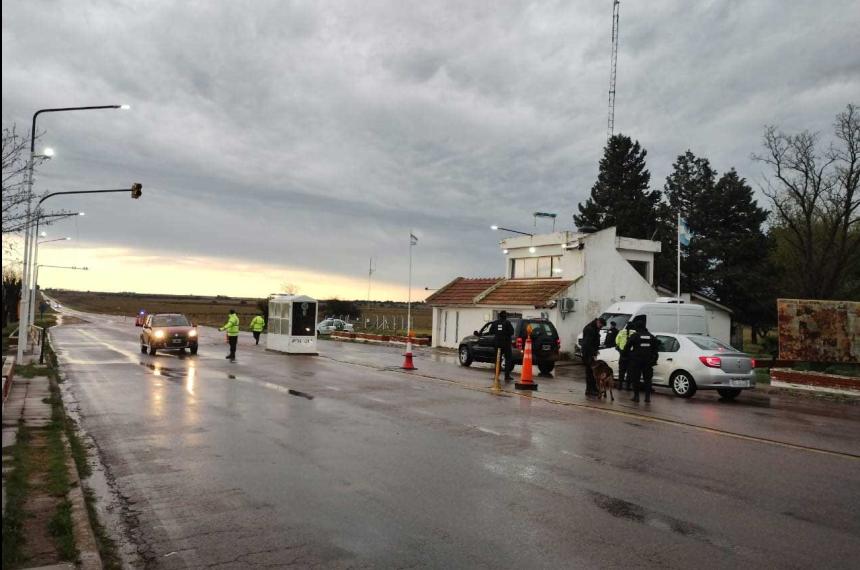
(292, 324)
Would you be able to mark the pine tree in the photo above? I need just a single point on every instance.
(688, 189)
(620, 197)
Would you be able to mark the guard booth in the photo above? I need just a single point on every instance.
(292, 324)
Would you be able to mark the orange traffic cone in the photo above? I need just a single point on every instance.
(526, 382)
(407, 360)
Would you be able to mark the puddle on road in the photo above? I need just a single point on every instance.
(630, 511)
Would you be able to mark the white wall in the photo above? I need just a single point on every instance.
(460, 322)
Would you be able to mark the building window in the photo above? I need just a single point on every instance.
(536, 267)
(641, 268)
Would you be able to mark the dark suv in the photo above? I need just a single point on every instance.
(481, 346)
(168, 331)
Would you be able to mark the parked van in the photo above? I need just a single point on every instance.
(663, 316)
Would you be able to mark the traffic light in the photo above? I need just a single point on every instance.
(136, 190)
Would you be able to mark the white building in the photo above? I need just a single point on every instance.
(567, 277)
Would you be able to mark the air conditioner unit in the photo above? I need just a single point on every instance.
(566, 305)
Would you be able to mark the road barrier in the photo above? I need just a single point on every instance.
(526, 378)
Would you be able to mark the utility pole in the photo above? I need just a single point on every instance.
(610, 123)
(370, 271)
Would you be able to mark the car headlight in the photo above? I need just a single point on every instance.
(159, 334)
(192, 333)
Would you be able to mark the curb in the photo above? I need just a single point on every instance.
(85, 539)
(8, 374)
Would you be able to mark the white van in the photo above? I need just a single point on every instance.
(667, 317)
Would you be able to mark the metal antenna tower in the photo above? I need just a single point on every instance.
(610, 124)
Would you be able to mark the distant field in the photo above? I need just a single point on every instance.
(212, 311)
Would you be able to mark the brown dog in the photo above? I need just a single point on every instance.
(605, 378)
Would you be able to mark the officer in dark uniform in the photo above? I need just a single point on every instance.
(504, 333)
(642, 349)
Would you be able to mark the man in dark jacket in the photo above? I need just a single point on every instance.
(504, 333)
(611, 335)
(643, 350)
(590, 347)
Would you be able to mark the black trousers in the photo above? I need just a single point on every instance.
(233, 340)
(590, 381)
(257, 337)
(623, 365)
(508, 356)
(640, 374)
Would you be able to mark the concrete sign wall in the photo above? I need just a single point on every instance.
(819, 331)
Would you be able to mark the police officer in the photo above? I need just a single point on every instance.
(590, 348)
(623, 359)
(257, 325)
(503, 331)
(643, 351)
(232, 329)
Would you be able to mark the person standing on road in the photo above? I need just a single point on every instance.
(504, 333)
(257, 325)
(643, 350)
(611, 334)
(232, 329)
(623, 359)
(590, 348)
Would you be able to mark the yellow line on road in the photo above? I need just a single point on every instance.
(628, 414)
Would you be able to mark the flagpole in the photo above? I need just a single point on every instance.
(409, 301)
(678, 300)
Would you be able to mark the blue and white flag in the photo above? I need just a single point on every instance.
(684, 233)
(413, 240)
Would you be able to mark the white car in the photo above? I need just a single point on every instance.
(690, 362)
(328, 326)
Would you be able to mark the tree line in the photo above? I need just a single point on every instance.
(805, 243)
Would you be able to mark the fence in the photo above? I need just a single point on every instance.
(393, 325)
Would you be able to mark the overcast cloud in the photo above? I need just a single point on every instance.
(313, 135)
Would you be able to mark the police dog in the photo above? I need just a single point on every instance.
(604, 377)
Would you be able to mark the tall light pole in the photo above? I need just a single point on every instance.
(23, 307)
(36, 275)
(496, 228)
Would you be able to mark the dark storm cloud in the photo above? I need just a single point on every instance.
(317, 134)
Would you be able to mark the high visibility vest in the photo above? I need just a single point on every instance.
(232, 325)
(621, 339)
(257, 324)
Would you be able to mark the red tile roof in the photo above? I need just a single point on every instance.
(535, 293)
(461, 291)
(499, 291)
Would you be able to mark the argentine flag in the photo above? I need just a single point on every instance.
(684, 233)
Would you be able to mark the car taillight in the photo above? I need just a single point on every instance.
(711, 361)
(519, 343)
(558, 342)
(752, 362)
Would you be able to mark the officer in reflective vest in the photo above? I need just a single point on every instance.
(623, 360)
(643, 350)
(232, 329)
(257, 325)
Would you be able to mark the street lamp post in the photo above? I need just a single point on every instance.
(496, 228)
(36, 274)
(23, 324)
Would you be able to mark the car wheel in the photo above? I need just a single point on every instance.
(152, 350)
(546, 367)
(143, 349)
(729, 393)
(193, 350)
(465, 356)
(683, 384)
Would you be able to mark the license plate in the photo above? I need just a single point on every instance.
(740, 382)
(178, 341)
(546, 347)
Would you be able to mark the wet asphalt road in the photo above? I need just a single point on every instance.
(218, 465)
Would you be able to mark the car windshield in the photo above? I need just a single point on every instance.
(169, 321)
(708, 343)
(620, 319)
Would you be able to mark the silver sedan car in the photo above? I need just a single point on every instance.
(690, 362)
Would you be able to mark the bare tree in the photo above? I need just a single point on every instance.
(815, 200)
(16, 156)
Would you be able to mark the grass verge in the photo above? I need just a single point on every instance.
(17, 490)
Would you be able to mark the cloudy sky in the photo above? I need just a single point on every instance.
(288, 142)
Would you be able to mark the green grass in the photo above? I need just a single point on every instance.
(17, 489)
(62, 529)
(762, 376)
(31, 370)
